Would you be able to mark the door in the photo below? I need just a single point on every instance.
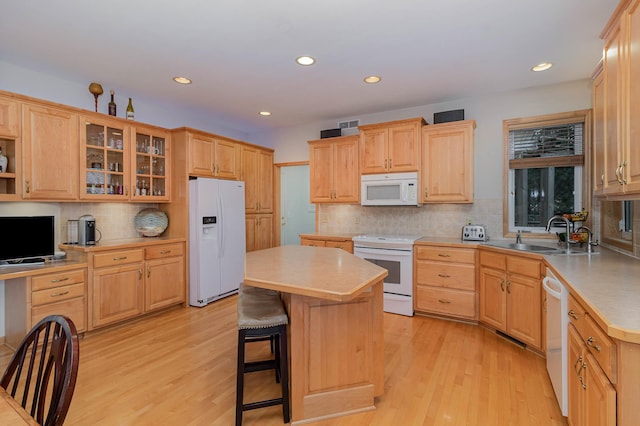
(399, 264)
(231, 234)
(204, 232)
(117, 293)
(493, 309)
(298, 216)
(164, 283)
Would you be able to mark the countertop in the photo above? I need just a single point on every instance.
(328, 236)
(322, 272)
(50, 266)
(121, 244)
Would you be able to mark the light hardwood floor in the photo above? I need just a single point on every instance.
(178, 368)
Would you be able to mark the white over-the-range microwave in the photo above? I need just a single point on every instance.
(389, 189)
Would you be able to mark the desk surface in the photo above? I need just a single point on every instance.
(322, 272)
(11, 413)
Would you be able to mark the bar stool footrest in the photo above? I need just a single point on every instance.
(261, 404)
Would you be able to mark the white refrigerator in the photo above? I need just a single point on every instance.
(216, 239)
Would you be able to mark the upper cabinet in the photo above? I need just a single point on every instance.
(50, 153)
(616, 104)
(211, 156)
(447, 162)
(390, 147)
(150, 160)
(333, 170)
(10, 183)
(257, 174)
(104, 159)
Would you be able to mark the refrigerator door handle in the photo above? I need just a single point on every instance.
(220, 227)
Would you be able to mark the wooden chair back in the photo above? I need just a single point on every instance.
(41, 375)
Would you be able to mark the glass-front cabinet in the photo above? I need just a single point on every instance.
(9, 150)
(150, 160)
(104, 160)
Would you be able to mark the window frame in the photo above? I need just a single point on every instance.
(546, 120)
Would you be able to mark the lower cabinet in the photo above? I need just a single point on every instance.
(445, 281)
(510, 295)
(259, 231)
(591, 371)
(344, 243)
(128, 283)
(29, 299)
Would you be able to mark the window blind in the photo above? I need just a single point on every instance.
(561, 145)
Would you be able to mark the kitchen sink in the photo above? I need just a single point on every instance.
(534, 248)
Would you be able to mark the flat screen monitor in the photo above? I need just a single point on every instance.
(26, 238)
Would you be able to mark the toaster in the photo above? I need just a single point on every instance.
(474, 233)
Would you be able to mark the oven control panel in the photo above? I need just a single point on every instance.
(474, 233)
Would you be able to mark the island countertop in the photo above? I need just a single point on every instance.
(322, 272)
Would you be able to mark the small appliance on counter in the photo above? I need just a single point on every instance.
(87, 230)
(474, 233)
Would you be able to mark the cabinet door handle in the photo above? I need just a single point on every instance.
(26, 184)
(572, 314)
(619, 174)
(390, 163)
(509, 286)
(502, 285)
(59, 280)
(444, 255)
(444, 276)
(148, 271)
(575, 366)
(426, 193)
(59, 294)
(445, 301)
(126, 190)
(165, 252)
(120, 258)
(590, 342)
(385, 163)
(139, 273)
(622, 166)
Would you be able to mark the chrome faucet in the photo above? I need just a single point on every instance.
(518, 237)
(567, 223)
(590, 242)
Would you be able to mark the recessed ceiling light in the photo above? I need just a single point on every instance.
(265, 113)
(372, 79)
(182, 80)
(305, 60)
(542, 67)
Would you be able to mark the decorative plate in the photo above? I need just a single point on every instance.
(151, 222)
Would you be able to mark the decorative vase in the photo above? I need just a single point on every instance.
(151, 222)
(3, 162)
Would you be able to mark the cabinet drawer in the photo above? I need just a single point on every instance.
(493, 260)
(56, 294)
(344, 245)
(445, 254)
(114, 258)
(601, 346)
(42, 282)
(454, 303)
(313, 243)
(576, 314)
(523, 266)
(447, 275)
(165, 250)
(72, 308)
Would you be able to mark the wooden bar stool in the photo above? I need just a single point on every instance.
(261, 316)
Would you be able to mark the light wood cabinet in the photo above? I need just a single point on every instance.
(344, 243)
(259, 231)
(447, 162)
(32, 298)
(334, 170)
(620, 105)
(390, 147)
(257, 174)
(10, 143)
(212, 156)
(597, 153)
(127, 283)
(510, 295)
(150, 179)
(445, 281)
(50, 153)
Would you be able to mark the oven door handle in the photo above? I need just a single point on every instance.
(387, 252)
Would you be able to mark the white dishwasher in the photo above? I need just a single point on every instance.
(557, 322)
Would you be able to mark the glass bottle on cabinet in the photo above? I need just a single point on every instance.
(104, 165)
(150, 160)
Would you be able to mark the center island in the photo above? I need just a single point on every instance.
(334, 303)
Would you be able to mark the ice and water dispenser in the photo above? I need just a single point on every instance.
(209, 225)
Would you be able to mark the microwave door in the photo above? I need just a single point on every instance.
(382, 193)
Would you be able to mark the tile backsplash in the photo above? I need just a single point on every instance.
(436, 220)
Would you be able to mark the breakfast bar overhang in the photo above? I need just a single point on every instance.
(334, 302)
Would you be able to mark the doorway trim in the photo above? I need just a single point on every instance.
(276, 197)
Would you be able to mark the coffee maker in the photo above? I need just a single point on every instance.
(87, 230)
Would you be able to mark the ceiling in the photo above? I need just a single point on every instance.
(241, 54)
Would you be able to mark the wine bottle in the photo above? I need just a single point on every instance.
(130, 110)
(112, 105)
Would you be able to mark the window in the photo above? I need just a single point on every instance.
(545, 159)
